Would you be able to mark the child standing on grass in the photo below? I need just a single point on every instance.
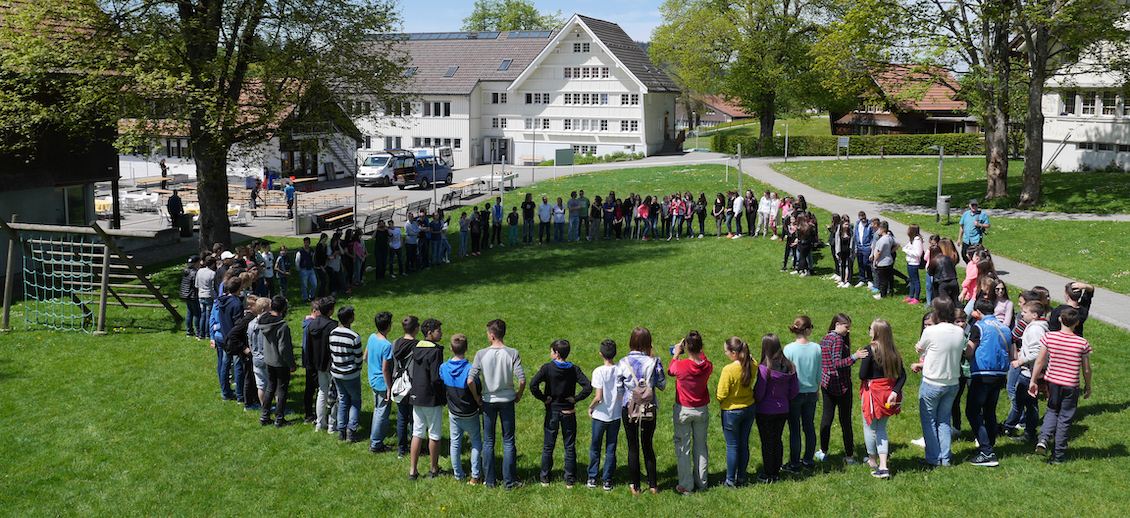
(512, 220)
(735, 396)
(691, 413)
(805, 356)
(605, 411)
(881, 379)
(504, 381)
(1036, 326)
(462, 410)
(836, 360)
(641, 366)
(1067, 355)
(776, 385)
(561, 380)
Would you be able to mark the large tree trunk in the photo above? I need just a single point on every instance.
(767, 115)
(996, 155)
(212, 191)
(1031, 189)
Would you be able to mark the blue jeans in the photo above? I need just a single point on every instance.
(915, 283)
(736, 425)
(935, 409)
(601, 429)
(574, 228)
(463, 243)
(1027, 408)
(863, 259)
(567, 423)
(223, 371)
(381, 409)
(404, 421)
(929, 288)
(646, 226)
(802, 417)
(309, 281)
(558, 232)
(503, 412)
(1015, 413)
(437, 251)
(528, 231)
(981, 410)
(470, 426)
(398, 253)
(191, 323)
(348, 403)
(205, 313)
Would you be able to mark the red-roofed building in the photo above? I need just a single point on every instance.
(712, 111)
(908, 100)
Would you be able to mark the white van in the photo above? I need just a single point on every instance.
(379, 168)
(444, 154)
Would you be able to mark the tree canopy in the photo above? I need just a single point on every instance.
(510, 15)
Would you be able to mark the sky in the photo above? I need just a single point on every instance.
(636, 17)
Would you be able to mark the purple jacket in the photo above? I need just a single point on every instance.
(773, 390)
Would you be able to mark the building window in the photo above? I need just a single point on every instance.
(577, 124)
(603, 98)
(623, 99)
(568, 99)
(457, 143)
(576, 72)
(1069, 103)
(603, 124)
(417, 142)
(427, 109)
(505, 64)
(494, 122)
(446, 109)
(529, 124)
(623, 125)
(1089, 99)
(635, 125)
(568, 124)
(1086, 145)
(435, 109)
(545, 124)
(502, 122)
(585, 99)
(1123, 148)
(388, 142)
(529, 98)
(1110, 104)
(604, 72)
(451, 71)
(581, 47)
(410, 71)
(635, 99)
(568, 72)
(576, 98)
(1104, 147)
(427, 142)
(368, 142)
(498, 98)
(585, 72)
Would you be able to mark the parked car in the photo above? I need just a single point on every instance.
(442, 152)
(426, 171)
(381, 168)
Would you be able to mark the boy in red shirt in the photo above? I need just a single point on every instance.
(1065, 355)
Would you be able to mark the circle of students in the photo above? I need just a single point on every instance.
(978, 349)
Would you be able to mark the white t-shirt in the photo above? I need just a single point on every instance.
(394, 241)
(739, 203)
(941, 346)
(610, 408)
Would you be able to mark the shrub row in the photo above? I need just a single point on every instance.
(961, 143)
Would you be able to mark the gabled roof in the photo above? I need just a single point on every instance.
(478, 56)
(720, 104)
(919, 89)
(627, 54)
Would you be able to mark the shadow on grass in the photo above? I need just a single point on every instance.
(7, 370)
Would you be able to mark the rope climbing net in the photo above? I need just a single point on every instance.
(60, 287)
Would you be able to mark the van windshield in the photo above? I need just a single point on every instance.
(375, 161)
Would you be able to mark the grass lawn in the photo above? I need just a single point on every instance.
(914, 181)
(817, 126)
(131, 424)
(1091, 251)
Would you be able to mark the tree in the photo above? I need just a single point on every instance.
(1055, 32)
(752, 51)
(230, 71)
(510, 15)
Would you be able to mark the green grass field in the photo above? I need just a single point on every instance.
(797, 126)
(914, 181)
(131, 424)
(1090, 251)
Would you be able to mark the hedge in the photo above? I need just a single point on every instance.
(961, 143)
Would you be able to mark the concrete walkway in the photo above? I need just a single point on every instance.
(1108, 306)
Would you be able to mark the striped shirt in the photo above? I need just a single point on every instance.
(1065, 356)
(345, 353)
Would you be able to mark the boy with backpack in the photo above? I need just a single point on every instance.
(561, 379)
(1067, 355)
(463, 410)
(402, 350)
(605, 410)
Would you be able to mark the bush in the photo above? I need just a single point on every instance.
(961, 143)
(618, 156)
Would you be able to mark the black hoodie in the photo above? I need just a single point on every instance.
(316, 354)
(561, 380)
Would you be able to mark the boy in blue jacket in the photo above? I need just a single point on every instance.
(227, 309)
(462, 409)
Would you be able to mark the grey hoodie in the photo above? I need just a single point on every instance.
(278, 350)
(255, 339)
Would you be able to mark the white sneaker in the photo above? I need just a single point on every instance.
(774, 238)
(919, 442)
(877, 296)
(860, 284)
(870, 284)
(836, 277)
(819, 455)
(794, 272)
(845, 284)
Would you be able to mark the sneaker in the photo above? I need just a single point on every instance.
(819, 456)
(877, 296)
(592, 483)
(955, 433)
(392, 276)
(683, 492)
(731, 236)
(252, 407)
(807, 465)
(913, 302)
(836, 278)
(919, 442)
(434, 474)
(635, 490)
(607, 486)
(792, 469)
(874, 290)
(765, 479)
(309, 419)
(774, 238)
(514, 485)
(544, 482)
(1041, 449)
(570, 483)
(654, 490)
(881, 473)
(794, 272)
(730, 485)
(849, 461)
(412, 477)
(926, 463)
(981, 459)
(1057, 460)
(473, 482)
(906, 299)
(860, 284)
(279, 423)
(379, 449)
(870, 284)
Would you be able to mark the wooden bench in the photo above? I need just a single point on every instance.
(372, 201)
(531, 160)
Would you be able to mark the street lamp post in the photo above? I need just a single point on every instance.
(941, 162)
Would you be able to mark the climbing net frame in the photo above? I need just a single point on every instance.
(60, 286)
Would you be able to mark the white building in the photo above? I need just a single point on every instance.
(517, 96)
(1086, 118)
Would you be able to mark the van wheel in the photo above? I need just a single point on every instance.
(424, 184)
(448, 182)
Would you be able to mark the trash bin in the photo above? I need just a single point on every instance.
(184, 221)
(304, 225)
(944, 208)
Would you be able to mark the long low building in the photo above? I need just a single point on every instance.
(516, 97)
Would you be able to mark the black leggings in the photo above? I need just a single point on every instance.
(771, 427)
(641, 433)
(832, 402)
(843, 268)
(961, 382)
(949, 288)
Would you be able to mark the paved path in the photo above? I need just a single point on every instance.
(1110, 307)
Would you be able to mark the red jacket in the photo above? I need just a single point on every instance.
(873, 396)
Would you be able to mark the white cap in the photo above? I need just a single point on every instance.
(227, 255)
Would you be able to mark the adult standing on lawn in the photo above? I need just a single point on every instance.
(528, 209)
(974, 223)
(863, 235)
(940, 348)
(545, 216)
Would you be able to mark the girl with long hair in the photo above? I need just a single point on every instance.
(642, 213)
(735, 396)
(843, 245)
(776, 385)
(881, 377)
(930, 293)
(641, 365)
(943, 269)
(805, 355)
(836, 360)
(719, 212)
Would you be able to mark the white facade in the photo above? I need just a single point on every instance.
(1086, 120)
